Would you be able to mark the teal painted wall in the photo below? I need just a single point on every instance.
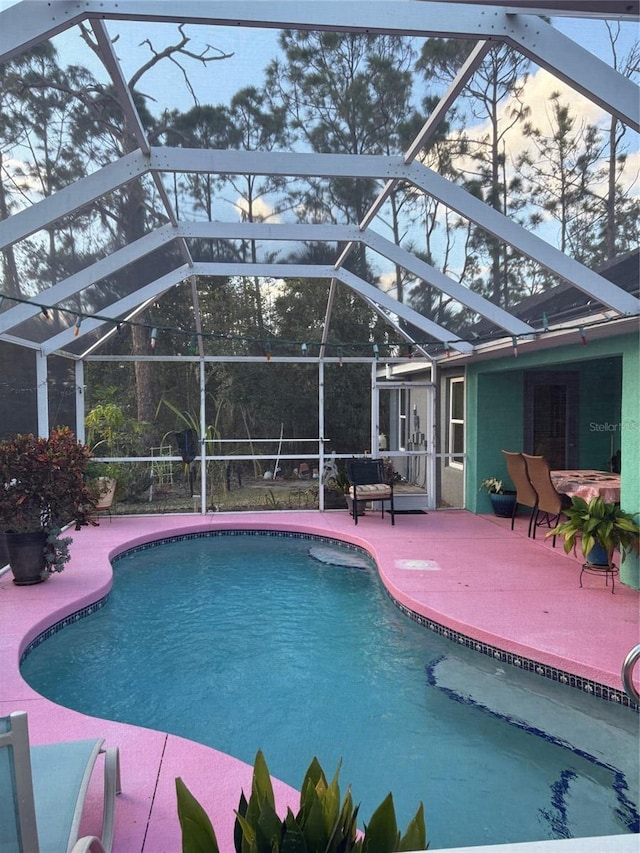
(498, 400)
(495, 394)
(608, 419)
(629, 434)
(600, 411)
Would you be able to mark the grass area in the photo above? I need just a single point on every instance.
(252, 495)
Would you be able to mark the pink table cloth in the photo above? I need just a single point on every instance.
(588, 484)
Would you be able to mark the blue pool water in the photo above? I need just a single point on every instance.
(244, 642)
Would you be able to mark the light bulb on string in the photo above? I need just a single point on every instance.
(267, 352)
(304, 349)
(376, 351)
(514, 343)
(76, 328)
(154, 337)
(583, 336)
(340, 356)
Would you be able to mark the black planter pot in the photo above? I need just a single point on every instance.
(27, 557)
(360, 506)
(4, 557)
(334, 499)
(503, 504)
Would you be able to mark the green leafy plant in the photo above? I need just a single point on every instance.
(492, 485)
(338, 480)
(598, 522)
(322, 824)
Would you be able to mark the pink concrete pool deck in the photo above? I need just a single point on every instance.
(469, 573)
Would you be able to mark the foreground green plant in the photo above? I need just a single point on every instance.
(322, 824)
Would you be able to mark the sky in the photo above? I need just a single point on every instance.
(254, 48)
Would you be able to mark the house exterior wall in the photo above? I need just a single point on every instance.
(630, 448)
(608, 417)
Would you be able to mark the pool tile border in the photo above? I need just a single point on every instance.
(577, 682)
(76, 616)
(585, 685)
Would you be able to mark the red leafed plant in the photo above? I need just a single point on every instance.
(42, 486)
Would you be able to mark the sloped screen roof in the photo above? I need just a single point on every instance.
(150, 146)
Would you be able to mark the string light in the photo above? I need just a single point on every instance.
(475, 340)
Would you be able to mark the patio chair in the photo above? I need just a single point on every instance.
(550, 501)
(367, 482)
(526, 495)
(43, 791)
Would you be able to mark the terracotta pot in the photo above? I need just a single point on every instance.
(27, 557)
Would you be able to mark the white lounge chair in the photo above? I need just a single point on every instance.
(43, 790)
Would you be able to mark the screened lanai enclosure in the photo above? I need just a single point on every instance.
(244, 241)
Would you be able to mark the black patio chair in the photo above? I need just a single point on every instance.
(368, 482)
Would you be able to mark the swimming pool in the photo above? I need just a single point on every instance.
(217, 618)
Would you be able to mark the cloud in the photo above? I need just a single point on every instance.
(541, 86)
(262, 212)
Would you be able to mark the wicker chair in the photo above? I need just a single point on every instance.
(550, 501)
(526, 495)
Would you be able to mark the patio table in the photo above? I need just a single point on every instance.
(588, 484)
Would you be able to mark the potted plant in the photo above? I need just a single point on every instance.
(603, 529)
(42, 489)
(502, 500)
(336, 487)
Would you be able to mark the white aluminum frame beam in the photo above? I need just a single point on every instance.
(614, 9)
(133, 302)
(29, 22)
(335, 165)
(515, 235)
(76, 283)
(277, 271)
(354, 282)
(74, 197)
(351, 233)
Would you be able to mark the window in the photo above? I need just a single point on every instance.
(456, 422)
